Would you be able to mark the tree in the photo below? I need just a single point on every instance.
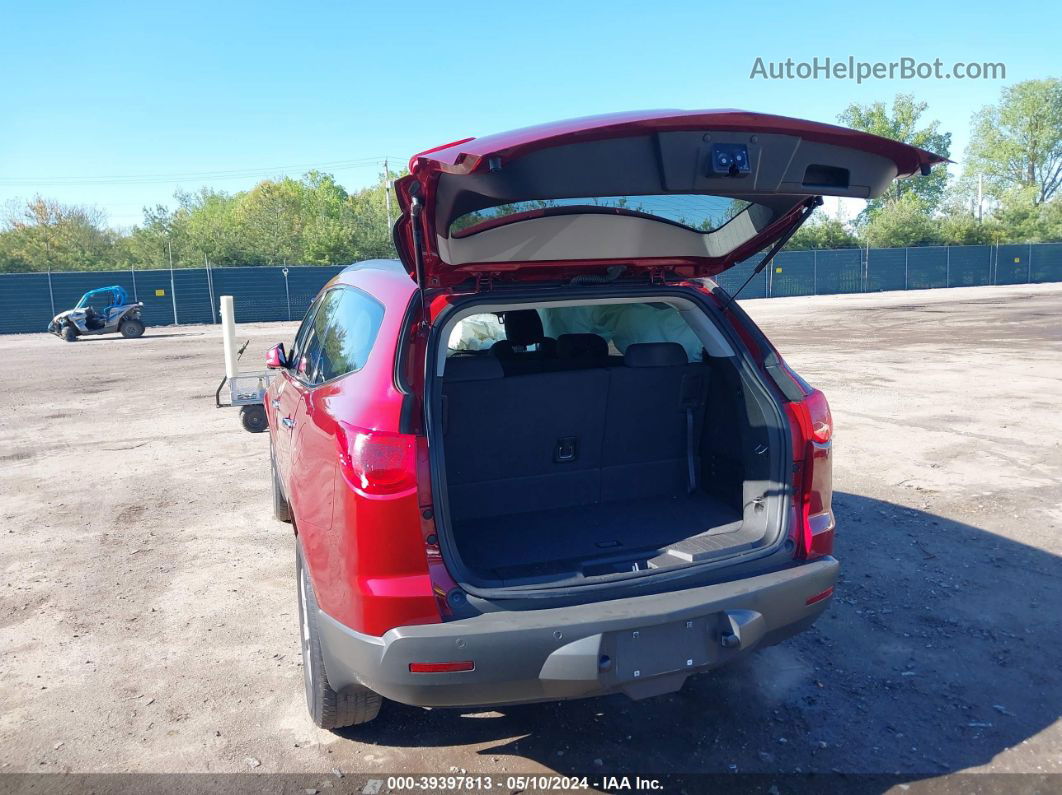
(328, 226)
(823, 232)
(164, 231)
(963, 229)
(1017, 144)
(902, 122)
(368, 211)
(902, 222)
(43, 234)
(1021, 218)
(270, 216)
(213, 230)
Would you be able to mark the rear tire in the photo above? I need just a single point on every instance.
(328, 709)
(281, 508)
(253, 419)
(68, 333)
(131, 328)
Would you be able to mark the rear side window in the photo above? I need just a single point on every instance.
(353, 322)
(476, 333)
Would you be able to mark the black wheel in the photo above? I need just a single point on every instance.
(68, 333)
(329, 709)
(253, 419)
(281, 509)
(131, 328)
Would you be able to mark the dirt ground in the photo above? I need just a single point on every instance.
(147, 610)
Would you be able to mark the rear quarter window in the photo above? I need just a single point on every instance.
(353, 325)
(476, 333)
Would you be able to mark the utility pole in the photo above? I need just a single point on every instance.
(210, 289)
(387, 194)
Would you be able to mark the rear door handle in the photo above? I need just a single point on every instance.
(288, 422)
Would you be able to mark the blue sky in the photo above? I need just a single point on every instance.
(118, 105)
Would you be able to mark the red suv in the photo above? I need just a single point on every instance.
(543, 456)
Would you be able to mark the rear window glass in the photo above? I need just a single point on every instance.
(353, 325)
(698, 212)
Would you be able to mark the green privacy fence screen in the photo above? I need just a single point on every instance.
(29, 300)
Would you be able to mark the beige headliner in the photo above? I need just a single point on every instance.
(600, 236)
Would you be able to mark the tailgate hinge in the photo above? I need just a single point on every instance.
(657, 276)
(484, 282)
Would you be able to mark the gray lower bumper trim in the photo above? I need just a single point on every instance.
(643, 645)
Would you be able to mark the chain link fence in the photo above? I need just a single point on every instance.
(28, 301)
(862, 270)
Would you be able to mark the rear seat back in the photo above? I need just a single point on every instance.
(654, 414)
(522, 442)
(581, 351)
(519, 443)
(523, 331)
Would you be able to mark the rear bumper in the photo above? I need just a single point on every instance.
(643, 646)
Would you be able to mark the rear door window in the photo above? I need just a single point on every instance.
(353, 324)
(306, 363)
(299, 344)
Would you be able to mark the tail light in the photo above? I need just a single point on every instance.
(377, 463)
(811, 425)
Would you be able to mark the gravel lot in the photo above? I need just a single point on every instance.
(147, 612)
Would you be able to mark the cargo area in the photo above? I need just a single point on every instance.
(586, 454)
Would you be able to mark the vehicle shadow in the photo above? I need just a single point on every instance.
(940, 651)
(147, 336)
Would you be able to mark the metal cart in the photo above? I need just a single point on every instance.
(247, 390)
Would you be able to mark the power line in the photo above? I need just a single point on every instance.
(149, 179)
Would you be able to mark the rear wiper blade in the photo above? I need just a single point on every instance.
(809, 208)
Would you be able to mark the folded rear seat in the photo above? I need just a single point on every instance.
(655, 414)
(522, 443)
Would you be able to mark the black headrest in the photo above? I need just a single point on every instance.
(655, 354)
(472, 368)
(581, 346)
(523, 327)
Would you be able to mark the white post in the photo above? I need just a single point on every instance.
(228, 335)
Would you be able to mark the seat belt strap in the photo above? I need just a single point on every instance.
(691, 463)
